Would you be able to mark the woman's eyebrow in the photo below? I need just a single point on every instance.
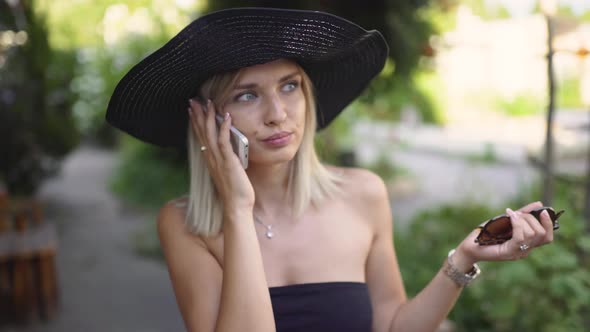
(288, 77)
(253, 85)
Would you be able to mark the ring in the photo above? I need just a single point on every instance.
(524, 247)
(203, 148)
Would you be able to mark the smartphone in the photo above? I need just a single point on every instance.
(239, 142)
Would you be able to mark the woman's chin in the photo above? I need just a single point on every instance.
(274, 157)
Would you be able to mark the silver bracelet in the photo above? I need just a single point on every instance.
(460, 278)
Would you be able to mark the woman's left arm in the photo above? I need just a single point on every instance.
(392, 311)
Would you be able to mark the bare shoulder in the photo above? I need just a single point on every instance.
(361, 184)
(173, 209)
(172, 214)
(366, 193)
(171, 221)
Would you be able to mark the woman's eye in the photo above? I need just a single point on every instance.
(246, 97)
(290, 86)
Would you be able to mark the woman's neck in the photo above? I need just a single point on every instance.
(270, 185)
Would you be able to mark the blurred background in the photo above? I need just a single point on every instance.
(483, 104)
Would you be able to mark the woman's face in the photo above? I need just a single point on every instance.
(267, 105)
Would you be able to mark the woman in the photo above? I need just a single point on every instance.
(287, 244)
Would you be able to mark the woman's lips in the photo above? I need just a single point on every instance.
(279, 139)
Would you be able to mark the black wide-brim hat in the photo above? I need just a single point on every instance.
(341, 58)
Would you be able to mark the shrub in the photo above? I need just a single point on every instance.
(548, 291)
(148, 176)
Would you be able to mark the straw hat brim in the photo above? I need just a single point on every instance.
(341, 58)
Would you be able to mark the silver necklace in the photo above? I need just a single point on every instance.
(269, 233)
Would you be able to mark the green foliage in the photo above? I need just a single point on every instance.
(335, 144)
(36, 124)
(80, 24)
(386, 169)
(109, 37)
(423, 91)
(548, 291)
(440, 15)
(520, 105)
(488, 155)
(430, 96)
(569, 93)
(149, 176)
(146, 178)
(98, 72)
(487, 11)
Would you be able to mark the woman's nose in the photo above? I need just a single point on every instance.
(276, 111)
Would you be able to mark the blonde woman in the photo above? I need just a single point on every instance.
(288, 244)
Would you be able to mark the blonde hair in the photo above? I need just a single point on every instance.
(309, 181)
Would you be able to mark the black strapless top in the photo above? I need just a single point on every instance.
(325, 307)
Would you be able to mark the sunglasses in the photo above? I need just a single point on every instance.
(499, 229)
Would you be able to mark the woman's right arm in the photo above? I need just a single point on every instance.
(210, 298)
(234, 297)
(245, 300)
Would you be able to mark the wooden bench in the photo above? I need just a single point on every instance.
(28, 246)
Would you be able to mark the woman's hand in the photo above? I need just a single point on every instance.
(527, 234)
(230, 179)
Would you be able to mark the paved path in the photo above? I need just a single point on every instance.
(448, 164)
(438, 179)
(105, 286)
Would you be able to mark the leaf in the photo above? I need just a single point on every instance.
(503, 310)
(584, 243)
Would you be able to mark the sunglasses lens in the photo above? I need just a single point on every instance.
(484, 238)
(495, 231)
(499, 226)
(499, 230)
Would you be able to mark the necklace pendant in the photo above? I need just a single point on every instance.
(269, 232)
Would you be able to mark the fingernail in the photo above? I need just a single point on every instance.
(190, 111)
(226, 116)
(191, 101)
(545, 213)
(510, 212)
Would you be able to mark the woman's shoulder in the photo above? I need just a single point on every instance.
(171, 219)
(362, 183)
(174, 209)
(365, 192)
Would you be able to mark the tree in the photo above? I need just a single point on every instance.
(35, 121)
